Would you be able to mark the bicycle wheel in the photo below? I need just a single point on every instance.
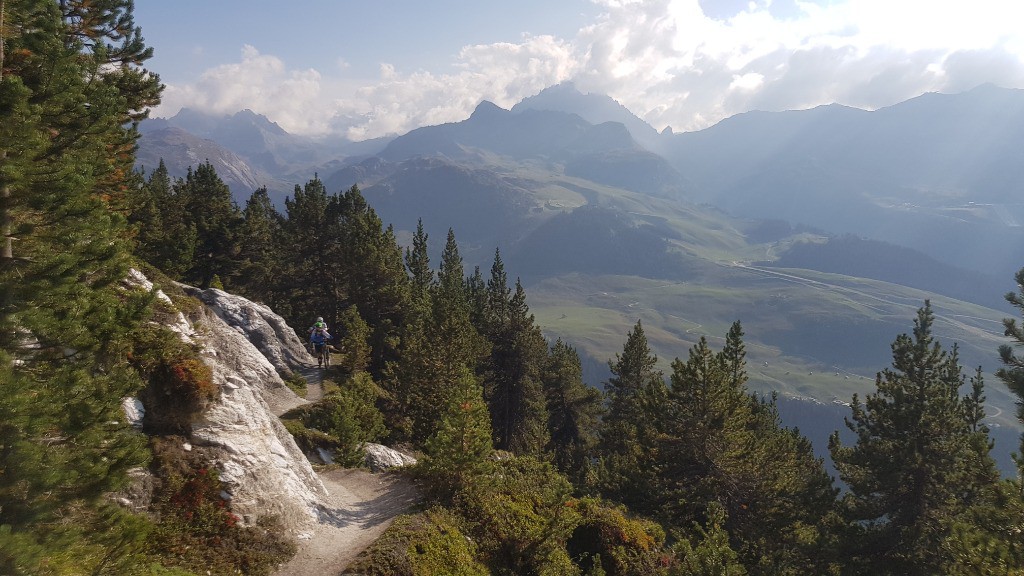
(327, 355)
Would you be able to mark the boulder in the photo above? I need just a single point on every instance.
(380, 458)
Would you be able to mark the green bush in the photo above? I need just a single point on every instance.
(522, 517)
(425, 544)
(309, 439)
(180, 386)
(342, 421)
(624, 545)
(197, 531)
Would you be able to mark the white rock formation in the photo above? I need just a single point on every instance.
(380, 458)
(246, 345)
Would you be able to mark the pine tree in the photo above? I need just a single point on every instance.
(512, 371)
(458, 452)
(304, 272)
(628, 432)
(417, 261)
(919, 463)
(217, 220)
(1012, 372)
(722, 447)
(515, 393)
(260, 241)
(574, 412)
(408, 374)
(449, 345)
(370, 272)
(353, 342)
(66, 322)
(709, 554)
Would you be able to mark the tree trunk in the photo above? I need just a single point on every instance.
(6, 250)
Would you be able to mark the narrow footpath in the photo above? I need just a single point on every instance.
(359, 508)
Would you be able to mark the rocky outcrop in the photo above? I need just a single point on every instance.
(275, 348)
(380, 458)
(247, 347)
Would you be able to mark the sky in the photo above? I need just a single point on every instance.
(365, 69)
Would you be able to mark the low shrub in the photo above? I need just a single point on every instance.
(623, 545)
(309, 440)
(180, 385)
(297, 383)
(424, 544)
(348, 415)
(197, 531)
(521, 517)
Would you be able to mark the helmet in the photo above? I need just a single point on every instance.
(319, 324)
(319, 318)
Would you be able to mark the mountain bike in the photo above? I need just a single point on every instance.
(322, 351)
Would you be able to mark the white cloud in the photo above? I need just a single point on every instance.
(260, 83)
(673, 65)
(502, 73)
(666, 60)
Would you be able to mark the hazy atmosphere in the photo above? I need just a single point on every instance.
(371, 69)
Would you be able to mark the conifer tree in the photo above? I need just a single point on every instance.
(370, 272)
(722, 447)
(574, 412)
(217, 222)
(353, 340)
(511, 386)
(408, 372)
(260, 241)
(65, 320)
(166, 236)
(476, 292)
(919, 463)
(515, 393)
(1012, 371)
(628, 432)
(458, 452)
(709, 554)
(417, 262)
(304, 272)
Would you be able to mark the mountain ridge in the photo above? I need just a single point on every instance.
(515, 180)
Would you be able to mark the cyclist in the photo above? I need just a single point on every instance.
(318, 325)
(318, 339)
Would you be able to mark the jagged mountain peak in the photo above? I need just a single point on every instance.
(487, 109)
(258, 120)
(594, 108)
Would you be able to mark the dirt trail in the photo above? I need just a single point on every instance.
(360, 506)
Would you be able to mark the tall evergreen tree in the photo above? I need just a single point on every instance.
(166, 236)
(450, 345)
(574, 413)
(260, 242)
(919, 463)
(417, 262)
(65, 320)
(217, 222)
(515, 393)
(718, 447)
(304, 273)
(1012, 371)
(372, 274)
(628, 432)
(458, 452)
(409, 371)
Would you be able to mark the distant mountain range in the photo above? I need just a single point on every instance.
(822, 230)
